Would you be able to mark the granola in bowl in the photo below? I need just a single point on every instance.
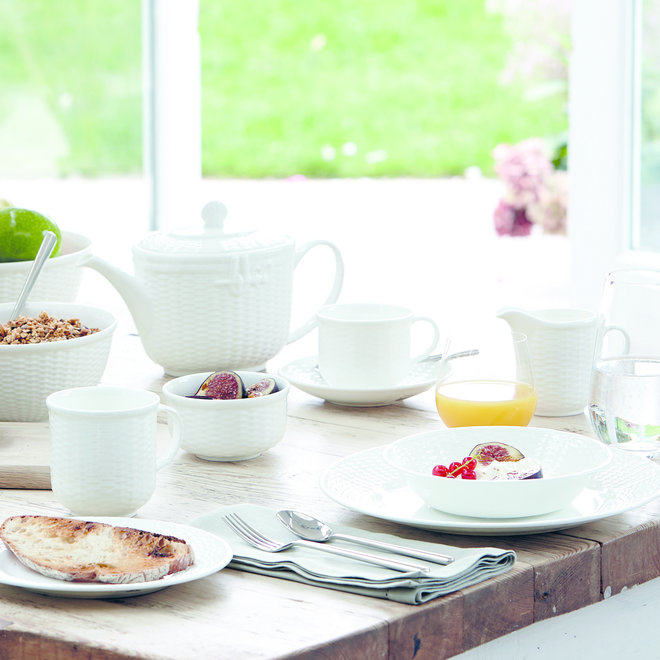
(35, 362)
(42, 328)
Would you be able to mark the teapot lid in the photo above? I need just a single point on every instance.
(212, 240)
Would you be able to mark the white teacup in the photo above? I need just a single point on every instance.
(104, 448)
(368, 345)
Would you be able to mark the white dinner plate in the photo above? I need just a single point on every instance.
(366, 483)
(304, 374)
(210, 553)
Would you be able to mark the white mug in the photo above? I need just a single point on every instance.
(367, 345)
(104, 448)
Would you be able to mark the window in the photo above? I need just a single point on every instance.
(611, 158)
(71, 105)
(646, 233)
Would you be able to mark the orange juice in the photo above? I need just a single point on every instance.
(485, 403)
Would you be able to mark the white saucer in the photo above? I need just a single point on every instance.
(366, 483)
(211, 554)
(304, 374)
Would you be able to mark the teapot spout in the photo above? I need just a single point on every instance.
(133, 293)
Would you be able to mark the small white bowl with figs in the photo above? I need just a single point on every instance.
(537, 470)
(244, 417)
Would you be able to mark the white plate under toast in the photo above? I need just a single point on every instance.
(210, 553)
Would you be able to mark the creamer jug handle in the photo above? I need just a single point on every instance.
(311, 322)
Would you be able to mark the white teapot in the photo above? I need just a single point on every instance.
(214, 300)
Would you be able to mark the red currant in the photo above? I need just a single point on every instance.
(470, 463)
(469, 474)
(455, 467)
(440, 470)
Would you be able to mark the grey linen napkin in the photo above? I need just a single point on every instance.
(471, 565)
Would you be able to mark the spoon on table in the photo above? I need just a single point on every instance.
(451, 356)
(438, 356)
(311, 529)
(45, 250)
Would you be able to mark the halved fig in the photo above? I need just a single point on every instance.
(488, 452)
(262, 388)
(532, 473)
(222, 385)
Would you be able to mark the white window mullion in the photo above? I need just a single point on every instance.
(602, 159)
(172, 110)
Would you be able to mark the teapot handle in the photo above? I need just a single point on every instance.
(311, 323)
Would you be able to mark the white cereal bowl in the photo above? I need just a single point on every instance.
(60, 279)
(228, 430)
(567, 460)
(30, 372)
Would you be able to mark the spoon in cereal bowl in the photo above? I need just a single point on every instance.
(45, 250)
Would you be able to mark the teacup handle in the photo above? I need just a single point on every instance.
(311, 322)
(434, 341)
(176, 428)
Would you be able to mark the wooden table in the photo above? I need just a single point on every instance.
(234, 614)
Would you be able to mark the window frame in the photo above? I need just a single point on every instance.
(604, 143)
(172, 123)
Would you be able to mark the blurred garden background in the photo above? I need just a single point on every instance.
(338, 120)
(376, 88)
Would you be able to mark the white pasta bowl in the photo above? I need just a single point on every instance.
(228, 430)
(567, 461)
(31, 372)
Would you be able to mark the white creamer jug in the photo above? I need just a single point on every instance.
(561, 343)
(214, 299)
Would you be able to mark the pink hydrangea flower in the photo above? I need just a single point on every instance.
(549, 210)
(523, 168)
(511, 221)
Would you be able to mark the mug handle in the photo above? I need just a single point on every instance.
(626, 338)
(175, 435)
(434, 341)
(311, 322)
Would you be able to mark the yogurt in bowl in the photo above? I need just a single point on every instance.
(567, 461)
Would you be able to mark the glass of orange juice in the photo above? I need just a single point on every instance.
(493, 387)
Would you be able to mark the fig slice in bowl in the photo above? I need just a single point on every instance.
(567, 460)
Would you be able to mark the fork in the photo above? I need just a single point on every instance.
(257, 540)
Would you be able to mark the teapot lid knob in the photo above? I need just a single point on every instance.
(214, 214)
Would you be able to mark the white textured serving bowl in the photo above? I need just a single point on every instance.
(60, 279)
(567, 460)
(228, 430)
(30, 372)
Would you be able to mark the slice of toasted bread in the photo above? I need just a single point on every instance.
(83, 551)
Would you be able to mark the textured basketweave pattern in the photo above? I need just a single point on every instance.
(562, 369)
(29, 376)
(365, 359)
(55, 284)
(244, 433)
(103, 466)
(232, 315)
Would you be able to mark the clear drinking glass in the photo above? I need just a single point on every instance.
(624, 404)
(494, 387)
